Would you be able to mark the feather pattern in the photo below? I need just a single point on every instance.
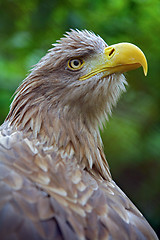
(55, 181)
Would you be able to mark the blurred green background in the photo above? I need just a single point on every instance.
(132, 136)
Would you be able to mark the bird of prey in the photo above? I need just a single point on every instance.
(55, 181)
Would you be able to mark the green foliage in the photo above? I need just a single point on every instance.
(132, 136)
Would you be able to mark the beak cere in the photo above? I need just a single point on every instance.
(121, 57)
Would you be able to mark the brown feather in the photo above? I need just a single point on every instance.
(55, 181)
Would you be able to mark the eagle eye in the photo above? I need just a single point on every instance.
(75, 64)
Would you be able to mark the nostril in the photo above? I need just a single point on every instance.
(112, 51)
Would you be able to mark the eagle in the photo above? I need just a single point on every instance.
(55, 182)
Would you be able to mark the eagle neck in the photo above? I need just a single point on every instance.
(72, 137)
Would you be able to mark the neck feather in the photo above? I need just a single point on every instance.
(67, 128)
(51, 128)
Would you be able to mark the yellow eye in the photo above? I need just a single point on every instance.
(75, 63)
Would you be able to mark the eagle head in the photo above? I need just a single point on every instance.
(80, 76)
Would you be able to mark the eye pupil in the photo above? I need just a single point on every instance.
(76, 62)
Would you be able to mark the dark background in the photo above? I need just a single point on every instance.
(132, 136)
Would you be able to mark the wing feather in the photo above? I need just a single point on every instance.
(42, 202)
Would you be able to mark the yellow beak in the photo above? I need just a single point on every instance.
(121, 57)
